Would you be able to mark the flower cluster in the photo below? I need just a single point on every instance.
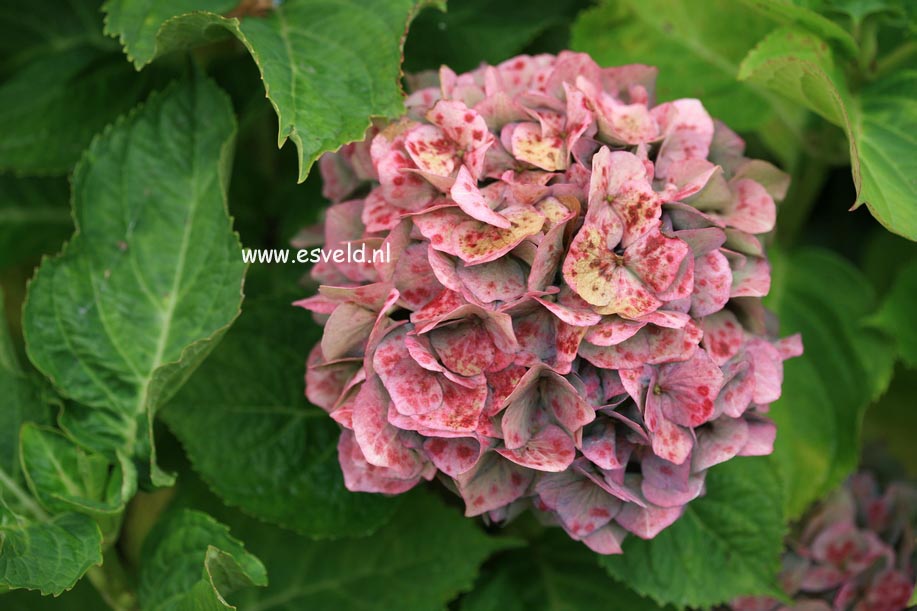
(571, 319)
(855, 551)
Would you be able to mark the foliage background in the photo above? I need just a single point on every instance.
(147, 407)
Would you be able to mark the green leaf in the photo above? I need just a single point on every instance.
(64, 477)
(250, 433)
(475, 31)
(880, 122)
(63, 83)
(47, 555)
(727, 543)
(421, 560)
(136, 22)
(884, 136)
(896, 317)
(554, 573)
(697, 46)
(192, 562)
(34, 217)
(327, 66)
(793, 12)
(845, 366)
(21, 404)
(152, 277)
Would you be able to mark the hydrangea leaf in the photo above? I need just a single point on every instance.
(190, 561)
(64, 477)
(845, 366)
(34, 217)
(37, 551)
(569, 579)
(736, 528)
(52, 103)
(82, 596)
(47, 554)
(153, 275)
(697, 56)
(253, 437)
(20, 404)
(880, 121)
(326, 66)
(794, 12)
(421, 560)
(896, 314)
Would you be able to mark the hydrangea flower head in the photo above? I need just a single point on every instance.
(570, 320)
(854, 551)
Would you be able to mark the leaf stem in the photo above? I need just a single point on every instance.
(111, 582)
(27, 502)
(897, 57)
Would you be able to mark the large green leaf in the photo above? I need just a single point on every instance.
(250, 433)
(190, 561)
(897, 314)
(49, 554)
(554, 573)
(327, 66)
(61, 82)
(845, 366)
(152, 277)
(421, 560)
(34, 217)
(726, 544)
(880, 121)
(697, 46)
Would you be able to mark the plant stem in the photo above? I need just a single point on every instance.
(900, 55)
(112, 583)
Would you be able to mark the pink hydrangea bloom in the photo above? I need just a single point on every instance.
(571, 319)
(853, 552)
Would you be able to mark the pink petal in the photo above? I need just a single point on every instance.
(360, 476)
(493, 483)
(413, 389)
(466, 194)
(761, 435)
(666, 484)
(651, 345)
(753, 209)
(529, 144)
(647, 522)
(379, 441)
(685, 391)
(551, 449)
(719, 441)
(581, 506)
(499, 280)
(723, 336)
(453, 456)
(712, 284)
(477, 242)
(325, 382)
(431, 151)
(688, 133)
(656, 259)
(346, 331)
